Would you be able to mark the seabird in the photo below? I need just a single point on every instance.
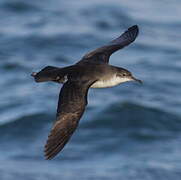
(92, 71)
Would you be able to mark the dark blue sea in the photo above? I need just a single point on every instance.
(129, 132)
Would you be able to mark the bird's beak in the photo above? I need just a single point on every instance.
(134, 79)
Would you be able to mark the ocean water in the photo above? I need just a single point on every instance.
(130, 131)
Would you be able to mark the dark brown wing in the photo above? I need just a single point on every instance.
(71, 106)
(102, 54)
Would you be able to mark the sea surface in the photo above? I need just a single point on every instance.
(129, 132)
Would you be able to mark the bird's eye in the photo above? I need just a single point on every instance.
(124, 74)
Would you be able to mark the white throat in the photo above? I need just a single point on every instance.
(113, 81)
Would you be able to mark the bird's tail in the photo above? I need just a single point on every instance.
(49, 73)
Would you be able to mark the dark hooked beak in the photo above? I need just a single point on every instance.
(134, 79)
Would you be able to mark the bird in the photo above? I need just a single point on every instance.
(91, 71)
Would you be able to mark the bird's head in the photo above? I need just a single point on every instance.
(125, 76)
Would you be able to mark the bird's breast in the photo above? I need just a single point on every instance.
(109, 82)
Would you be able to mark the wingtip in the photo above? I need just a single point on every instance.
(46, 158)
(134, 30)
(46, 155)
(134, 27)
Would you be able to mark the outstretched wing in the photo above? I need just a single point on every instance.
(102, 54)
(71, 106)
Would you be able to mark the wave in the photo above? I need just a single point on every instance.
(133, 116)
(19, 7)
(25, 126)
(108, 16)
(116, 116)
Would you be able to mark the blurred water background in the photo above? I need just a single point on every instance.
(129, 131)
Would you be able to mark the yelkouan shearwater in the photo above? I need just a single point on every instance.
(92, 71)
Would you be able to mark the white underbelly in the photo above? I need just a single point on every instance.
(109, 82)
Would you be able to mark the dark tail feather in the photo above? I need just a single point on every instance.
(49, 73)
